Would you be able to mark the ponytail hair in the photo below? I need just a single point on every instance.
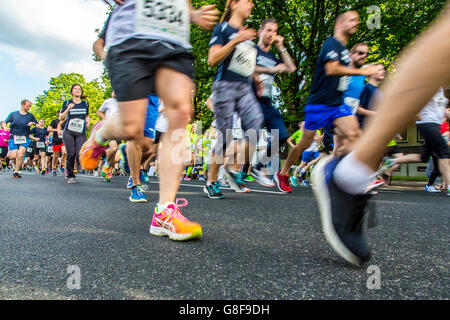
(227, 14)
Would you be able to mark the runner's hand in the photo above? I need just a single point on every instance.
(246, 34)
(279, 42)
(206, 17)
(119, 2)
(371, 70)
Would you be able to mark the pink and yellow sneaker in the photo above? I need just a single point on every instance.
(173, 224)
(91, 151)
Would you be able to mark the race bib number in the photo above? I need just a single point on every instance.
(244, 60)
(20, 139)
(353, 103)
(76, 125)
(169, 17)
(40, 145)
(343, 83)
(50, 149)
(60, 135)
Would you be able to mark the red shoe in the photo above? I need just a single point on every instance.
(282, 182)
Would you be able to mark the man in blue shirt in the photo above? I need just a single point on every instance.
(358, 56)
(325, 105)
(20, 121)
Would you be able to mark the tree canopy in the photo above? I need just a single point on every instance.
(386, 26)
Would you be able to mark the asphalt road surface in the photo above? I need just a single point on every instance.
(87, 241)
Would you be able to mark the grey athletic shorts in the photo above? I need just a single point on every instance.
(231, 96)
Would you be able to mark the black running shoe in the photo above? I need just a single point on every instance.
(213, 191)
(341, 214)
(15, 175)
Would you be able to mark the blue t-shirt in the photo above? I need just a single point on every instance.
(353, 93)
(222, 34)
(267, 60)
(366, 100)
(328, 90)
(19, 123)
(79, 111)
(39, 133)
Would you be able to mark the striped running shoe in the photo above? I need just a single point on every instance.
(171, 222)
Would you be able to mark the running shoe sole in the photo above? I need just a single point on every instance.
(137, 200)
(323, 198)
(160, 232)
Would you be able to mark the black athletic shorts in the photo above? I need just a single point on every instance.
(132, 66)
(37, 151)
(434, 142)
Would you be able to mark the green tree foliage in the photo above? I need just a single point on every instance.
(50, 101)
(306, 24)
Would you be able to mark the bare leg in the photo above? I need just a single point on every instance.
(176, 90)
(295, 153)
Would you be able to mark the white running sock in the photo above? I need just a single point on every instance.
(162, 207)
(352, 176)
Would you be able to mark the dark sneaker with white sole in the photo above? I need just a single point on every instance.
(341, 213)
(213, 191)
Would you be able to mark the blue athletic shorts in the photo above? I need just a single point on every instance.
(152, 116)
(318, 116)
(12, 146)
(308, 156)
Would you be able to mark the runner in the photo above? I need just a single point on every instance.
(325, 106)
(19, 140)
(57, 145)
(340, 183)
(75, 114)
(4, 138)
(39, 135)
(430, 120)
(162, 63)
(233, 51)
(267, 66)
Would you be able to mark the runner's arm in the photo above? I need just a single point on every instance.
(218, 52)
(99, 49)
(334, 68)
(285, 56)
